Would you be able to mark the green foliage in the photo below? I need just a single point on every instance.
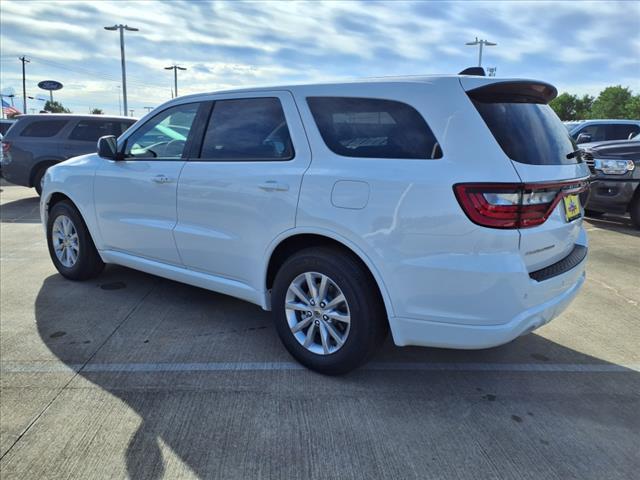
(612, 102)
(96, 111)
(55, 107)
(633, 108)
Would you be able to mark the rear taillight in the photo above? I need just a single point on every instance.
(513, 205)
(6, 146)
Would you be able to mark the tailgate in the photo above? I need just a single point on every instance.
(518, 116)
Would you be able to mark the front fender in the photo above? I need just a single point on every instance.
(74, 179)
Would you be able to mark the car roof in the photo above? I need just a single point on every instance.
(471, 81)
(73, 115)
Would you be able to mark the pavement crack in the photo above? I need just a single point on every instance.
(129, 314)
(615, 291)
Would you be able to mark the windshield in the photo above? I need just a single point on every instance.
(528, 132)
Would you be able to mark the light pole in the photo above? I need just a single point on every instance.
(175, 69)
(481, 43)
(122, 28)
(24, 60)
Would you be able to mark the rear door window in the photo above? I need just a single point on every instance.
(373, 128)
(247, 129)
(43, 128)
(621, 131)
(92, 130)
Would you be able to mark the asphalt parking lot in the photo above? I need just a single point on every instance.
(134, 376)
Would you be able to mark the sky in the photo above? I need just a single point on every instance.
(580, 46)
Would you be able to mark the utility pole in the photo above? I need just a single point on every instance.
(175, 69)
(148, 109)
(131, 112)
(481, 43)
(24, 60)
(122, 28)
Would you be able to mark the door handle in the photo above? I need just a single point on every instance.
(161, 179)
(273, 186)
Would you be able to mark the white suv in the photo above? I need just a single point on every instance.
(442, 208)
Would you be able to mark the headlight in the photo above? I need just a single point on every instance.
(614, 167)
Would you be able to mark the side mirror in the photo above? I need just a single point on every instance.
(108, 147)
(583, 138)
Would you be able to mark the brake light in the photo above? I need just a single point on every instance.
(513, 205)
(6, 146)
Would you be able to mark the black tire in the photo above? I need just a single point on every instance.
(593, 213)
(37, 179)
(88, 264)
(368, 322)
(634, 209)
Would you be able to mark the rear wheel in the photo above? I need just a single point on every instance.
(38, 179)
(70, 245)
(327, 310)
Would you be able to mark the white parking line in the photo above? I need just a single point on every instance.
(280, 366)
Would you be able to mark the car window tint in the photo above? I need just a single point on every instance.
(164, 135)
(598, 132)
(247, 129)
(43, 128)
(622, 131)
(92, 130)
(528, 133)
(368, 127)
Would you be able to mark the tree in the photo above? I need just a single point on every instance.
(633, 108)
(571, 107)
(583, 107)
(565, 106)
(612, 103)
(96, 111)
(55, 107)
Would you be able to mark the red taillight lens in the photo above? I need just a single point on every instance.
(513, 205)
(6, 146)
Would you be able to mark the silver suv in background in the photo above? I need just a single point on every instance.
(36, 142)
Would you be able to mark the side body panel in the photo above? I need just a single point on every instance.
(229, 212)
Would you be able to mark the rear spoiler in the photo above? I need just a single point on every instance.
(511, 91)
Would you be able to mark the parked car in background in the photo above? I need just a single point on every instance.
(588, 131)
(423, 205)
(5, 123)
(37, 142)
(614, 188)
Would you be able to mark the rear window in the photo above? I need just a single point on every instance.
(92, 130)
(528, 133)
(374, 128)
(43, 128)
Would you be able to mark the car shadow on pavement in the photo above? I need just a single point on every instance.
(614, 223)
(251, 423)
(24, 210)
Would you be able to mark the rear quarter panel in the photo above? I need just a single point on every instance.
(412, 227)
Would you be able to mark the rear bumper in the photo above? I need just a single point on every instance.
(554, 295)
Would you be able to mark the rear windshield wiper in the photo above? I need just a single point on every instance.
(575, 153)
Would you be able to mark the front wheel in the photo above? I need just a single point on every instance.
(327, 310)
(70, 245)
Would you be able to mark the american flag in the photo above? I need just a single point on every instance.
(9, 110)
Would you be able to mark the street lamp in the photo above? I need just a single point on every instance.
(175, 69)
(122, 28)
(481, 43)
